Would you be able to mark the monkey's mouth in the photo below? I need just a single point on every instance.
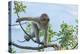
(44, 22)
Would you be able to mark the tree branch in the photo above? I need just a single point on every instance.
(36, 48)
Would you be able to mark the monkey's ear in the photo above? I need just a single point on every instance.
(48, 19)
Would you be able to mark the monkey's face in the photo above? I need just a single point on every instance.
(44, 18)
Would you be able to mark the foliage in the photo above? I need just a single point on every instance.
(51, 33)
(67, 36)
(19, 7)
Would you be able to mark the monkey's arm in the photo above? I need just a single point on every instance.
(46, 36)
(28, 19)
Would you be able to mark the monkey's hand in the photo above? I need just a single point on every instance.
(45, 44)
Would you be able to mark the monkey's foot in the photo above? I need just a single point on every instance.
(45, 45)
(26, 38)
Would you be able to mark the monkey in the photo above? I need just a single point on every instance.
(38, 23)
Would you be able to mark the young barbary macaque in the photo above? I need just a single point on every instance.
(38, 23)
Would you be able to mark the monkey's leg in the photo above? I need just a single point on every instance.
(27, 38)
(37, 35)
(36, 31)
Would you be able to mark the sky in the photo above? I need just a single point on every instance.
(56, 12)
